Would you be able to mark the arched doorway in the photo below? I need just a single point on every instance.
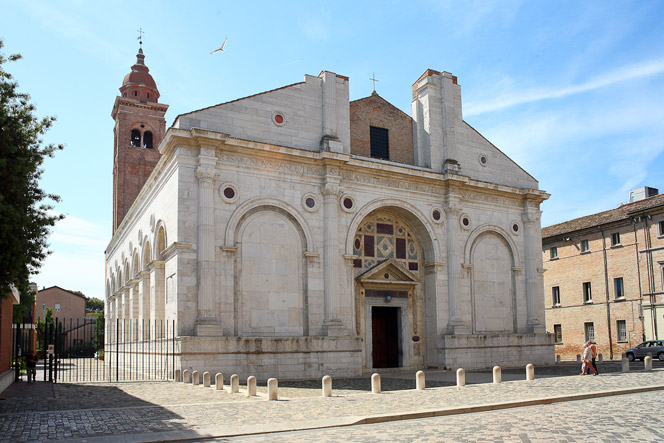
(389, 295)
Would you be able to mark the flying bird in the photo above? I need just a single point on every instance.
(220, 49)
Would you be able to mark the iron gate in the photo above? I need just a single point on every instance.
(91, 349)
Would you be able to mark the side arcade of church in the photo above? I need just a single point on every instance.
(294, 233)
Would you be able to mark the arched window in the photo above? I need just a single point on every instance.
(135, 138)
(147, 140)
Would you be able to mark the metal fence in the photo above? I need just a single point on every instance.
(90, 349)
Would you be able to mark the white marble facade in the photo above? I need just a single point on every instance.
(279, 253)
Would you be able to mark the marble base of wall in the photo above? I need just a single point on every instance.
(285, 358)
(483, 351)
(6, 379)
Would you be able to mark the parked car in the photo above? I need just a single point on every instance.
(652, 347)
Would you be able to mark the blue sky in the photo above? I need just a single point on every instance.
(572, 91)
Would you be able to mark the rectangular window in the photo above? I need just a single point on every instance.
(589, 329)
(57, 307)
(622, 330)
(401, 247)
(553, 252)
(380, 147)
(587, 293)
(555, 292)
(585, 247)
(558, 333)
(660, 228)
(619, 287)
(368, 245)
(43, 306)
(615, 239)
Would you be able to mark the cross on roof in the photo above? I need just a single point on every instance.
(373, 79)
(140, 36)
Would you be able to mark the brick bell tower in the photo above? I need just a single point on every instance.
(139, 127)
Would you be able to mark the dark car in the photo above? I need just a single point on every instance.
(652, 347)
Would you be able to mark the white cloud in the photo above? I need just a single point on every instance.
(644, 69)
(77, 261)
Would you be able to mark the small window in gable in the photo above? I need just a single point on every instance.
(135, 138)
(148, 95)
(147, 140)
(379, 143)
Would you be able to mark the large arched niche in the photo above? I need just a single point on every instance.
(492, 258)
(270, 274)
(419, 343)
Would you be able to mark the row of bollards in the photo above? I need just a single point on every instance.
(647, 363)
(193, 377)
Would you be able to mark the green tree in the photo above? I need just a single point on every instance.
(98, 340)
(95, 305)
(24, 217)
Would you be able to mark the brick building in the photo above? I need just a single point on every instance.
(603, 277)
(6, 312)
(70, 308)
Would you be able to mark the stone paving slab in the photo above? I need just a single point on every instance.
(167, 408)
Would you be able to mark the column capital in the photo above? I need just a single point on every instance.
(531, 215)
(206, 174)
(330, 189)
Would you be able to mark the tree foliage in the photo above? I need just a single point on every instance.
(95, 305)
(24, 217)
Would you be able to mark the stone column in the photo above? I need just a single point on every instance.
(157, 296)
(144, 302)
(452, 212)
(532, 256)
(332, 324)
(206, 321)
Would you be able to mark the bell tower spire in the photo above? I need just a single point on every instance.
(139, 127)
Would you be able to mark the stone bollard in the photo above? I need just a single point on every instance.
(219, 381)
(461, 378)
(419, 380)
(185, 376)
(272, 389)
(195, 379)
(530, 372)
(206, 379)
(327, 386)
(558, 358)
(251, 386)
(178, 375)
(625, 364)
(235, 384)
(601, 358)
(647, 363)
(375, 383)
(578, 358)
(497, 374)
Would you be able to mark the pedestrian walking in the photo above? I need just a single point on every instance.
(587, 359)
(31, 366)
(593, 348)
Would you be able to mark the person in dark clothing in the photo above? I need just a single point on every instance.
(31, 365)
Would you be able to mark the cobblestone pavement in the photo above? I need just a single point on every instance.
(633, 418)
(41, 411)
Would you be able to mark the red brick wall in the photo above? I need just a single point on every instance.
(133, 165)
(572, 268)
(6, 310)
(376, 111)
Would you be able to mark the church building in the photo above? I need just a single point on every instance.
(295, 233)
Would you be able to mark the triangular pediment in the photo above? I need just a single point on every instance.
(387, 272)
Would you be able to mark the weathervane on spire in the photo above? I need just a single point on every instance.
(140, 36)
(373, 79)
